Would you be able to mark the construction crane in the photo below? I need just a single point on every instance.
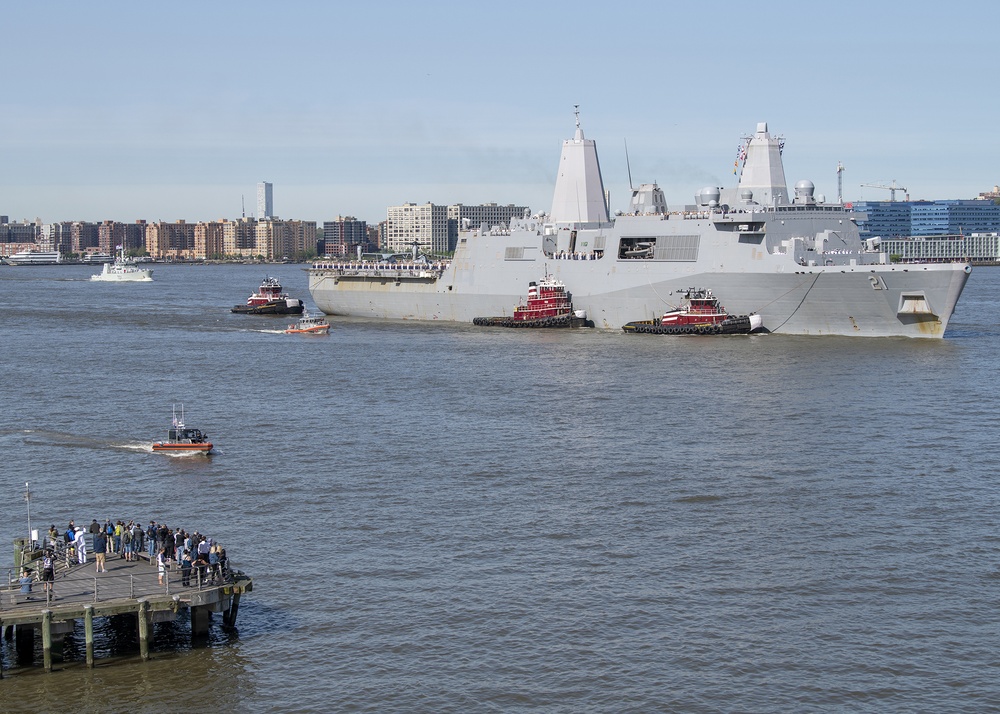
(891, 189)
(840, 183)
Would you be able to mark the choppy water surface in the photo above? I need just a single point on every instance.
(447, 518)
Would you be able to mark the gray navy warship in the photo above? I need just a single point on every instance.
(797, 261)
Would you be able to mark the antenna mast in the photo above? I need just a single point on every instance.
(840, 183)
(629, 167)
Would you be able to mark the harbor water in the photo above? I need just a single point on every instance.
(447, 518)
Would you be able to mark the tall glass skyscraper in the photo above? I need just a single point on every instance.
(265, 201)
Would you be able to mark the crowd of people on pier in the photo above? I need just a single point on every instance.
(198, 557)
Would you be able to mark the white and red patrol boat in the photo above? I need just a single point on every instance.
(309, 325)
(548, 305)
(183, 440)
(700, 313)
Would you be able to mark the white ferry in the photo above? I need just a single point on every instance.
(34, 257)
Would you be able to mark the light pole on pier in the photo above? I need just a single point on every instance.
(27, 500)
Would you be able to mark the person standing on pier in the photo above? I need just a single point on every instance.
(127, 543)
(25, 582)
(70, 536)
(200, 567)
(80, 543)
(162, 534)
(137, 535)
(151, 539)
(215, 572)
(48, 572)
(100, 546)
(161, 563)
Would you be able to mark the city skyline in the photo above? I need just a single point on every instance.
(98, 126)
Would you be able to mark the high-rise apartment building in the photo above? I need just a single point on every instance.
(278, 240)
(462, 217)
(209, 240)
(265, 201)
(239, 238)
(56, 236)
(84, 235)
(170, 240)
(24, 232)
(342, 234)
(112, 235)
(422, 227)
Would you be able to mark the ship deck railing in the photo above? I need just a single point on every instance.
(379, 270)
(566, 255)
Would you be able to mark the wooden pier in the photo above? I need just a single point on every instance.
(127, 588)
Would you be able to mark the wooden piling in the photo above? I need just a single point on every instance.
(234, 608)
(47, 639)
(88, 628)
(143, 616)
(200, 620)
(24, 642)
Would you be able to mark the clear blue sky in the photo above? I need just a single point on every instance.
(163, 111)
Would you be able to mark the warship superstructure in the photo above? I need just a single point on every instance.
(797, 261)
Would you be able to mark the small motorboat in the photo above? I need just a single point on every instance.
(270, 300)
(699, 313)
(182, 439)
(309, 325)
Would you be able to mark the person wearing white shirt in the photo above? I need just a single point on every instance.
(81, 545)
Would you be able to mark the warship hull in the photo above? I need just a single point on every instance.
(798, 263)
(911, 301)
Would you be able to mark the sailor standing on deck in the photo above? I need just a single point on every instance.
(80, 543)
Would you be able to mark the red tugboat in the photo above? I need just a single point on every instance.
(548, 305)
(699, 314)
(270, 300)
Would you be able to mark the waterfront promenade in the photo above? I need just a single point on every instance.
(127, 588)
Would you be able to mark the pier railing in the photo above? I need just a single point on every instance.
(86, 586)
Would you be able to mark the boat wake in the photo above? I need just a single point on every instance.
(41, 437)
(186, 454)
(141, 447)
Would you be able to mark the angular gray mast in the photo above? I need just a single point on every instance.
(763, 172)
(579, 193)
